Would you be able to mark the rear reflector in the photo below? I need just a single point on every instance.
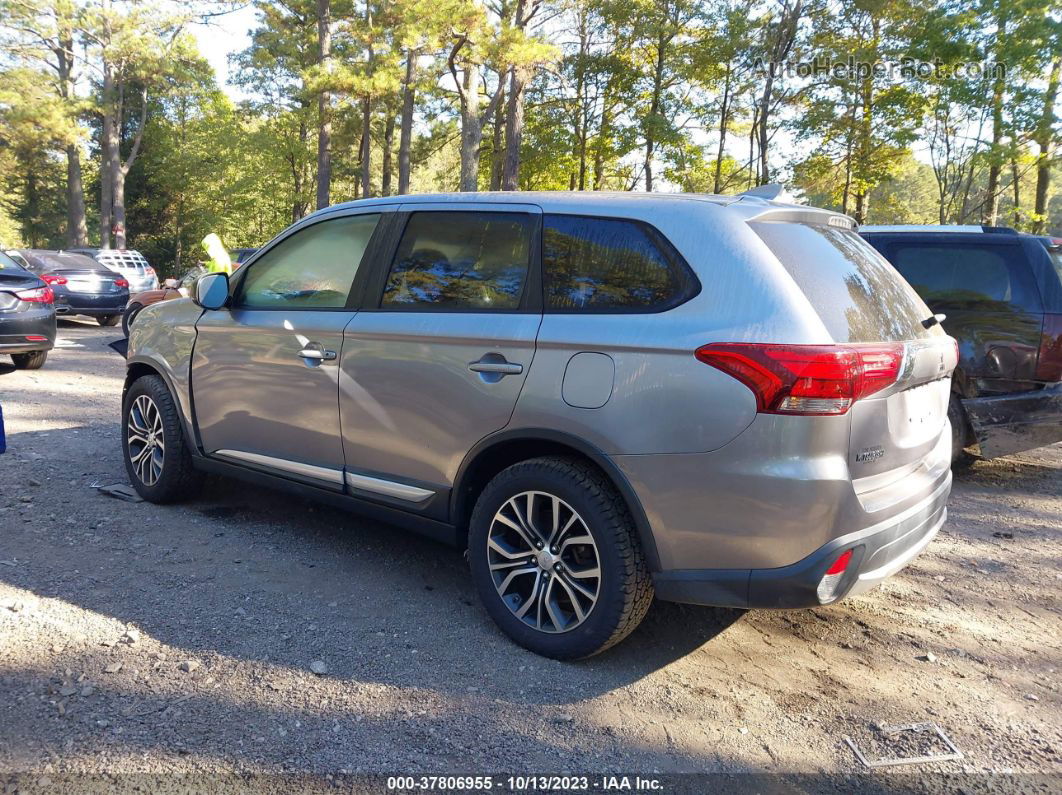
(807, 379)
(827, 589)
(35, 338)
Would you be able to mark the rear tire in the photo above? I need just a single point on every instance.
(108, 320)
(129, 316)
(569, 499)
(157, 457)
(961, 433)
(29, 361)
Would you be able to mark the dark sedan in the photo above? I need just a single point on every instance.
(82, 285)
(27, 315)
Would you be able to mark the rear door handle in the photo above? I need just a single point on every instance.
(501, 367)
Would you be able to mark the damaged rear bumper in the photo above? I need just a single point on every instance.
(1005, 424)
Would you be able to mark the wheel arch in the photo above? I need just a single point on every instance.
(138, 369)
(496, 452)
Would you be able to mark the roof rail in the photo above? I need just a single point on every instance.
(965, 229)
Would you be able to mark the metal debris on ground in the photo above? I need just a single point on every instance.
(119, 491)
(889, 731)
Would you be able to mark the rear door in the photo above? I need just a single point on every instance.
(993, 306)
(265, 370)
(436, 358)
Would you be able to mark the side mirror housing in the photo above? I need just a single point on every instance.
(211, 291)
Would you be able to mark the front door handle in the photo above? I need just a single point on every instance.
(501, 367)
(315, 354)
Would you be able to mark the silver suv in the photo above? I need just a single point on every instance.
(719, 400)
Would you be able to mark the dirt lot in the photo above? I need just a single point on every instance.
(161, 640)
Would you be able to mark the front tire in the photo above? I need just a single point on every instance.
(29, 361)
(129, 316)
(156, 454)
(556, 560)
(108, 320)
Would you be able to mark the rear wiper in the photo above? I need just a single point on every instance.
(929, 322)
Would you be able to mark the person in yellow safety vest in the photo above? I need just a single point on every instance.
(218, 260)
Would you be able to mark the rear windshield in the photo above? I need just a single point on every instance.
(6, 263)
(67, 261)
(858, 295)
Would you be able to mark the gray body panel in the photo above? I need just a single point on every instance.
(722, 487)
(254, 394)
(411, 407)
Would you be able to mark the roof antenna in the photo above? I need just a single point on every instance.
(771, 192)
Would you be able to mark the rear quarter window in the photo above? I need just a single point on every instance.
(611, 265)
(857, 294)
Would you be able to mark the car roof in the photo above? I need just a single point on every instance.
(59, 259)
(747, 206)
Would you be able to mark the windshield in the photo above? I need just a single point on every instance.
(857, 294)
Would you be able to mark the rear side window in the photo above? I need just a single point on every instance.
(312, 269)
(611, 265)
(985, 278)
(460, 261)
(858, 296)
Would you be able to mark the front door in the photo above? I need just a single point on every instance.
(265, 370)
(437, 359)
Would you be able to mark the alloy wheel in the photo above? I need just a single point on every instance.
(543, 561)
(146, 443)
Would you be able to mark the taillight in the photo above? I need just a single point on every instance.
(830, 581)
(51, 278)
(38, 295)
(1049, 363)
(121, 283)
(149, 270)
(807, 379)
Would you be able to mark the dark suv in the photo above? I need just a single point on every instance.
(1001, 292)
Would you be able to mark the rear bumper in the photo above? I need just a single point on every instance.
(1005, 424)
(92, 305)
(878, 552)
(15, 327)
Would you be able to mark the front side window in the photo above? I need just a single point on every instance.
(312, 269)
(473, 261)
(610, 265)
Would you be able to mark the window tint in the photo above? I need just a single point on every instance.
(966, 276)
(610, 265)
(460, 260)
(856, 293)
(312, 269)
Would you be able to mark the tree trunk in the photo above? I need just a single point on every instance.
(724, 120)
(471, 131)
(108, 147)
(366, 148)
(1015, 179)
(388, 145)
(366, 116)
(1045, 138)
(405, 135)
(497, 154)
(514, 129)
(121, 170)
(76, 228)
(654, 110)
(995, 162)
(324, 105)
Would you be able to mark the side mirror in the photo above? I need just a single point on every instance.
(211, 291)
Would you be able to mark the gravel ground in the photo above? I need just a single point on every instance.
(137, 639)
